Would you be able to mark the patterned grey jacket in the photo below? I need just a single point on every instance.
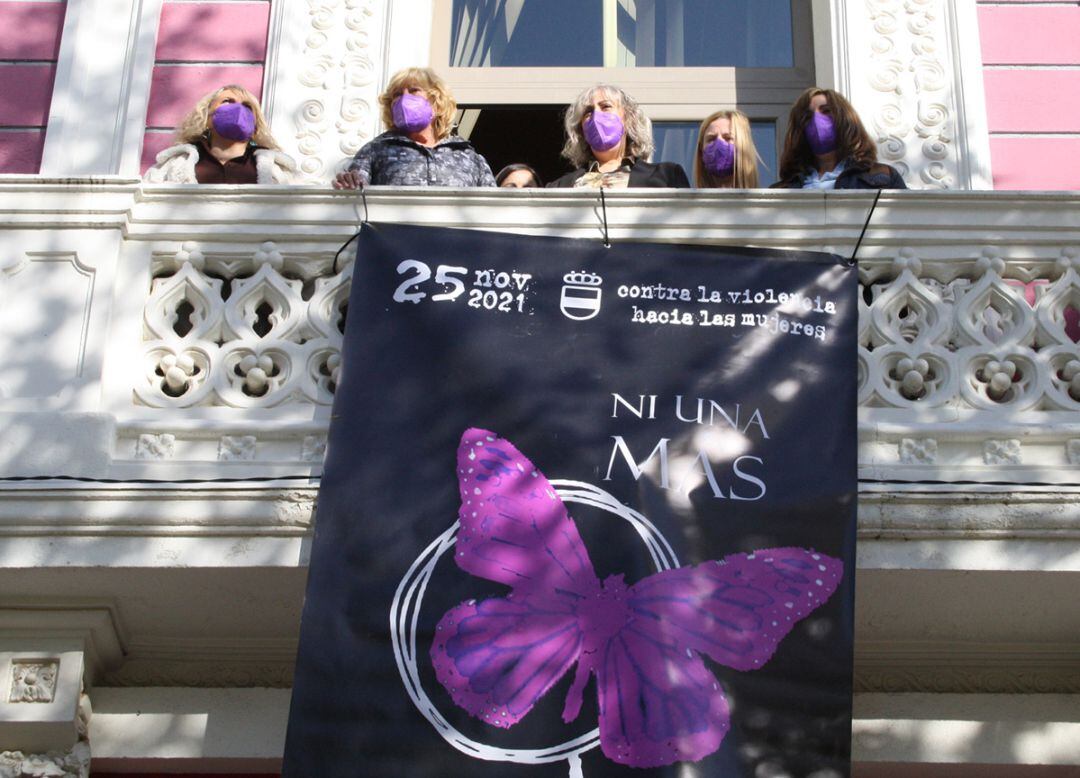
(394, 159)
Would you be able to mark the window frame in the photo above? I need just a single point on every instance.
(664, 93)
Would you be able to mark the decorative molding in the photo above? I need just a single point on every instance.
(897, 667)
(33, 680)
(247, 674)
(328, 92)
(965, 680)
(900, 68)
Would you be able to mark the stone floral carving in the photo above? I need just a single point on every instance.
(155, 447)
(1001, 452)
(33, 680)
(236, 448)
(918, 452)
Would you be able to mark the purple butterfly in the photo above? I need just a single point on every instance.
(658, 703)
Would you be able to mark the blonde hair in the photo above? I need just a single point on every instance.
(443, 105)
(746, 155)
(196, 124)
(639, 141)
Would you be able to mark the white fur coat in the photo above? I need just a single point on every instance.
(176, 165)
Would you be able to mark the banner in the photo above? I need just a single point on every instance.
(586, 511)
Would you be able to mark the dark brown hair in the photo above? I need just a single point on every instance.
(853, 142)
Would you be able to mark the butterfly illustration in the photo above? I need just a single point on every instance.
(658, 702)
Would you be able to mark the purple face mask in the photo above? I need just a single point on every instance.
(411, 113)
(603, 130)
(234, 121)
(718, 157)
(821, 134)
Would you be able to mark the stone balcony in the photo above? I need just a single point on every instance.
(168, 357)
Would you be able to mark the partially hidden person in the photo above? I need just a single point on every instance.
(827, 147)
(224, 139)
(725, 156)
(518, 175)
(609, 141)
(419, 147)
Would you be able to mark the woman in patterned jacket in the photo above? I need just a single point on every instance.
(418, 149)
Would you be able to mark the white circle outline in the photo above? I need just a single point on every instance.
(405, 614)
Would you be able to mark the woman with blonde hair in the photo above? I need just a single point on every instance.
(827, 147)
(224, 139)
(418, 147)
(725, 157)
(609, 140)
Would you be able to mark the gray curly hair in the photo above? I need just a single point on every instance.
(639, 142)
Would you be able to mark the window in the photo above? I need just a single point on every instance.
(681, 59)
(621, 33)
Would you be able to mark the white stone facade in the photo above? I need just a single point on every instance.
(153, 338)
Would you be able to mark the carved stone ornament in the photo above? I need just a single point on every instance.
(1002, 452)
(155, 446)
(910, 105)
(72, 763)
(337, 73)
(314, 448)
(34, 680)
(244, 331)
(237, 448)
(918, 452)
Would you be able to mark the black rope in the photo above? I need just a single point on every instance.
(345, 245)
(851, 262)
(89, 480)
(603, 209)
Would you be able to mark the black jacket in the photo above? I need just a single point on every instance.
(880, 176)
(661, 174)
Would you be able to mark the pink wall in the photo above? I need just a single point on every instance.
(1031, 54)
(29, 42)
(202, 46)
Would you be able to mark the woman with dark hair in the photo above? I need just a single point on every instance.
(827, 147)
(518, 176)
(609, 140)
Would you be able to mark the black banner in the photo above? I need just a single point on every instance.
(586, 511)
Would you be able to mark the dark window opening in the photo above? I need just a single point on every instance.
(532, 134)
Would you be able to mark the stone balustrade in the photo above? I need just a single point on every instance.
(182, 312)
(169, 357)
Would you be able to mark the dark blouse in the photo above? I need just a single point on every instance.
(238, 170)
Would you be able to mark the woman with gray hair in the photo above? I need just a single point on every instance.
(609, 140)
